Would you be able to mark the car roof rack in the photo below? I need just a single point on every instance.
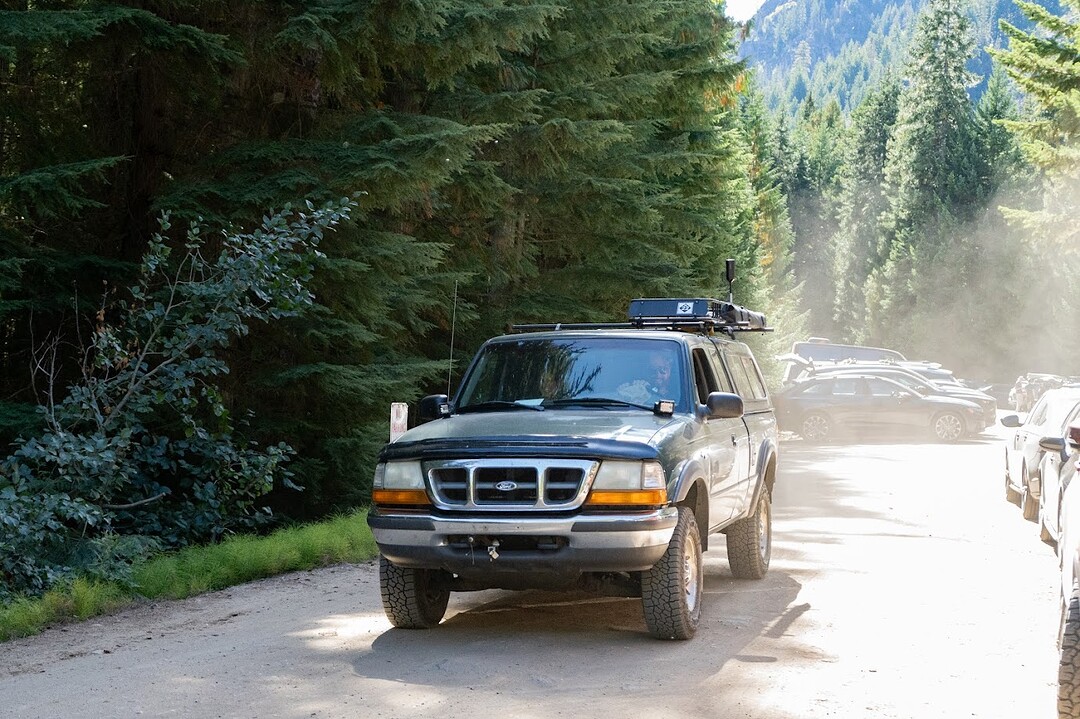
(699, 314)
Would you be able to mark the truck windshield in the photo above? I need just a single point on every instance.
(555, 372)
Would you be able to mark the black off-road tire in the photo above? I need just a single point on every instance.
(1069, 661)
(816, 427)
(948, 427)
(672, 589)
(749, 541)
(412, 598)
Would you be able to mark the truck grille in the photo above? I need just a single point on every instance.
(510, 484)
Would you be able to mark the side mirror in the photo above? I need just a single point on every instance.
(434, 406)
(1010, 420)
(723, 405)
(1053, 444)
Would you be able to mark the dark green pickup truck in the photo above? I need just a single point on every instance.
(585, 456)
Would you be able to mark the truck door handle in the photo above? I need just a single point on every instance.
(734, 441)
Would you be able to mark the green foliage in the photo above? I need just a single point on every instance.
(861, 202)
(816, 152)
(515, 160)
(934, 173)
(141, 452)
(1045, 63)
(186, 572)
(846, 48)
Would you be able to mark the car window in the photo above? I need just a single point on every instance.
(1038, 413)
(1073, 418)
(881, 388)
(1057, 412)
(848, 386)
(756, 383)
(720, 372)
(743, 385)
(824, 387)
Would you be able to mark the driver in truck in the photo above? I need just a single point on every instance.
(657, 384)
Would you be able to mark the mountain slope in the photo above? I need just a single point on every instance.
(842, 48)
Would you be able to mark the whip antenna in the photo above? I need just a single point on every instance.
(453, 327)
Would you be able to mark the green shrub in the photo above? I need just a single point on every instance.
(142, 453)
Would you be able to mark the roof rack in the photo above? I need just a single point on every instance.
(694, 314)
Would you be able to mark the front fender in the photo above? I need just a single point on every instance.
(683, 479)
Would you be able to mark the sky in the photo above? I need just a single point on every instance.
(742, 9)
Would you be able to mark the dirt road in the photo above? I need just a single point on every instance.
(902, 585)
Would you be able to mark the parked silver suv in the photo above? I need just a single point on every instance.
(585, 456)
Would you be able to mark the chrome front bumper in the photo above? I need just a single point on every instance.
(583, 543)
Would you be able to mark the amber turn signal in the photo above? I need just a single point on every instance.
(645, 497)
(399, 496)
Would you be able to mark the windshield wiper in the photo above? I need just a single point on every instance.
(498, 404)
(593, 402)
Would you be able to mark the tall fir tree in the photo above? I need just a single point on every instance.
(932, 173)
(774, 236)
(1045, 63)
(811, 197)
(858, 243)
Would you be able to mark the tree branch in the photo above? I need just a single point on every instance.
(131, 505)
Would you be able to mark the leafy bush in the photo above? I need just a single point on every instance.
(142, 452)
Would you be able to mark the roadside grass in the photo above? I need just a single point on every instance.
(191, 571)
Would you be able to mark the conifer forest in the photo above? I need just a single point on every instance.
(233, 232)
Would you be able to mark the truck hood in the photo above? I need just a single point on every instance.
(572, 431)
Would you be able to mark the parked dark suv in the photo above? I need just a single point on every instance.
(585, 456)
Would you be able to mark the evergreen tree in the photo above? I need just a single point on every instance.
(773, 234)
(528, 159)
(812, 200)
(83, 134)
(230, 107)
(932, 173)
(999, 147)
(628, 180)
(1045, 63)
(859, 248)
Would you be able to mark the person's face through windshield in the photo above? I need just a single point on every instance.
(660, 372)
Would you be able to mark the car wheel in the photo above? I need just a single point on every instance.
(749, 541)
(1069, 661)
(815, 428)
(948, 427)
(412, 598)
(671, 590)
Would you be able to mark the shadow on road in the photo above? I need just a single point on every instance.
(534, 640)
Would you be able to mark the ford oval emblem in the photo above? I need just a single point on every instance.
(506, 486)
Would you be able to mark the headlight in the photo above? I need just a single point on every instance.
(628, 483)
(399, 483)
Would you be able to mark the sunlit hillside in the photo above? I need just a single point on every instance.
(842, 48)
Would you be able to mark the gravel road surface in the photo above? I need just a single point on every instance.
(902, 586)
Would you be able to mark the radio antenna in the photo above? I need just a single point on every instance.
(453, 328)
(730, 272)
